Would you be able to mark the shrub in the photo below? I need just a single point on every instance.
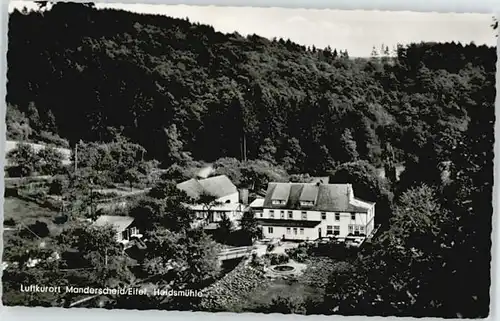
(299, 254)
(286, 304)
(23, 159)
(38, 229)
(55, 139)
(257, 262)
(50, 161)
(277, 259)
(36, 192)
(9, 222)
(58, 185)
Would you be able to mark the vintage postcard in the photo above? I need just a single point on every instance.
(244, 159)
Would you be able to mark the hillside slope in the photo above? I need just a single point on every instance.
(172, 85)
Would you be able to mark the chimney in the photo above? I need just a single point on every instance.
(350, 193)
(244, 196)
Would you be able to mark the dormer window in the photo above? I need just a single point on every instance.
(306, 203)
(279, 202)
(308, 195)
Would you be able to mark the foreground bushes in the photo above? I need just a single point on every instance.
(228, 294)
(276, 259)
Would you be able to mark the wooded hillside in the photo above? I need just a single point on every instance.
(171, 85)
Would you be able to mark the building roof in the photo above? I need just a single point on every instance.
(309, 193)
(280, 192)
(258, 202)
(216, 186)
(330, 197)
(119, 223)
(192, 188)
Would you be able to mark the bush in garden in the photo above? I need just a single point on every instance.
(299, 254)
(277, 259)
(58, 185)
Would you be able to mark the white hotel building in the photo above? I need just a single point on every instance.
(308, 211)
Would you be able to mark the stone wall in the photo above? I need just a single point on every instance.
(229, 292)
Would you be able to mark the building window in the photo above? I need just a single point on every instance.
(306, 203)
(353, 216)
(290, 214)
(337, 217)
(301, 231)
(356, 229)
(304, 215)
(282, 214)
(279, 202)
(350, 228)
(271, 214)
(295, 230)
(261, 214)
(323, 216)
(336, 230)
(270, 230)
(329, 230)
(288, 230)
(362, 229)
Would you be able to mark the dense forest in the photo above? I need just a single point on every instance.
(184, 91)
(171, 85)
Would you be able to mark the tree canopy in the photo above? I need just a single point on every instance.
(207, 95)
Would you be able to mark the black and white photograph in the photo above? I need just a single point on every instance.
(249, 159)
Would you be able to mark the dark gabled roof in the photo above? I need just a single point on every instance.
(330, 197)
(217, 186)
(287, 223)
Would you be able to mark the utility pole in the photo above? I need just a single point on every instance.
(241, 149)
(76, 157)
(244, 147)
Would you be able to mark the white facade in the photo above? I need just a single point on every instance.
(340, 224)
(228, 206)
(311, 224)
